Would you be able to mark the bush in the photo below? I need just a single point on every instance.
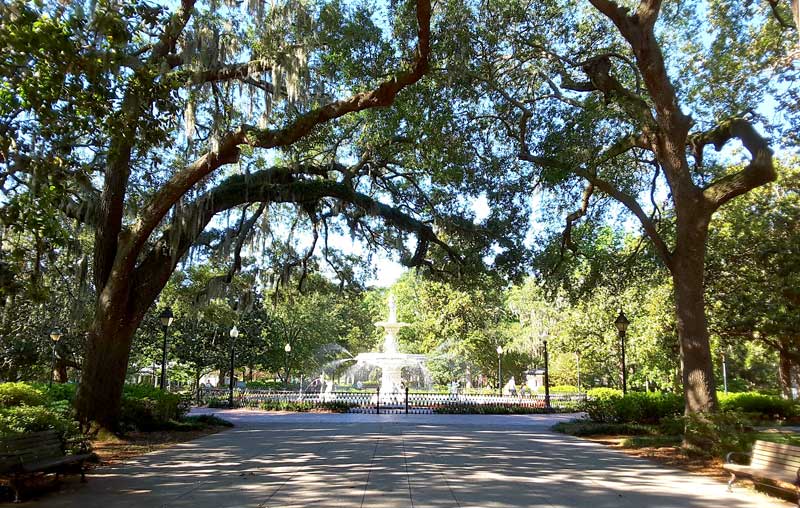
(767, 406)
(58, 391)
(560, 389)
(20, 394)
(603, 393)
(494, 409)
(305, 406)
(582, 428)
(266, 385)
(148, 408)
(610, 406)
(715, 434)
(25, 419)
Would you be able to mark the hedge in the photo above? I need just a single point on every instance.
(610, 406)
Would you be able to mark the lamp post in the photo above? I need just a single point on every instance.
(546, 377)
(287, 349)
(622, 326)
(55, 336)
(166, 318)
(499, 371)
(233, 333)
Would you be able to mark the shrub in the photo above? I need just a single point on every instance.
(560, 389)
(582, 428)
(209, 420)
(603, 393)
(609, 406)
(717, 433)
(24, 419)
(495, 409)
(20, 394)
(768, 406)
(59, 391)
(266, 385)
(217, 403)
(305, 406)
(148, 408)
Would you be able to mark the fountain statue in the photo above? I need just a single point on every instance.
(390, 361)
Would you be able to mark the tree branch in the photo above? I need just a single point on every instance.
(758, 172)
(228, 152)
(275, 185)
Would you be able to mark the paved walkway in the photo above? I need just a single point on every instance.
(306, 460)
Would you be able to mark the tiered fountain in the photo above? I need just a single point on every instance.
(390, 361)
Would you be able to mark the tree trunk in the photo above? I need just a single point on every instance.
(785, 373)
(688, 264)
(106, 363)
(60, 373)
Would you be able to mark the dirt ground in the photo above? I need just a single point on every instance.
(116, 449)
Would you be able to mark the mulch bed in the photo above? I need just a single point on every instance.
(118, 449)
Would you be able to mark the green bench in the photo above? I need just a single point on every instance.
(777, 463)
(25, 455)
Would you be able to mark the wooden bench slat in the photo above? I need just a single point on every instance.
(778, 463)
(775, 464)
(36, 452)
(54, 463)
(775, 458)
(19, 444)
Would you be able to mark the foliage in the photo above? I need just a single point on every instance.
(24, 419)
(190, 423)
(585, 428)
(495, 409)
(147, 408)
(266, 385)
(560, 389)
(716, 434)
(635, 407)
(208, 420)
(20, 394)
(306, 406)
(766, 406)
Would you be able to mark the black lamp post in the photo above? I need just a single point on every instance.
(166, 318)
(55, 336)
(233, 333)
(499, 371)
(286, 349)
(546, 377)
(622, 326)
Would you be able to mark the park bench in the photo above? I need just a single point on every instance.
(778, 463)
(26, 455)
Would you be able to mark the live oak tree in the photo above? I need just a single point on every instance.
(754, 269)
(609, 94)
(126, 115)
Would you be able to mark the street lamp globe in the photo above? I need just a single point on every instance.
(55, 334)
(234, 332)
(287, 348)
(622, 322)
(499, 350)
(166, 317)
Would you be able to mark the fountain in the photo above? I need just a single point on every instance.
(390, 361)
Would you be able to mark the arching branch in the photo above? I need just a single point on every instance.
(759, 171)
(381, 96)
(275, 185)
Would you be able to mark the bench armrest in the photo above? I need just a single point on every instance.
(729, 457)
